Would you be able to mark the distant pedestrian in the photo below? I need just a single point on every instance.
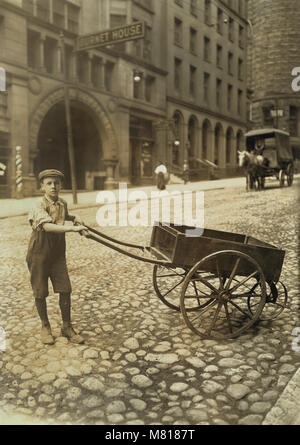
(161, 176)
(46, 254)
(186, 173)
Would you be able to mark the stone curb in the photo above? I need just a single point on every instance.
(286, 410)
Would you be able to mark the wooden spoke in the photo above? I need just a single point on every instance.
(174, 287)
(239, 309)
(232, 273)
(241, 283)
(215, 318)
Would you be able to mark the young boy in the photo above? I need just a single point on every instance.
(46, 254)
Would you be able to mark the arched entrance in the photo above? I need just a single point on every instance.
(192, 145)
(218, 136)
(53, 146)
(95, 143)
(229, 145)
(206, 139)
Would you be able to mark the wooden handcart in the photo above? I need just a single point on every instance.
(221, 282)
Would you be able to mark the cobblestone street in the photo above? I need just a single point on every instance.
(140, 363)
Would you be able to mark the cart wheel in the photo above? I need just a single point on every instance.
(276, 301)
(290, 175)
(281, 178)
(222, 281)
(167, 282)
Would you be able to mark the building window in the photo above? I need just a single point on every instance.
(108, 77)
(33, 49)
(230, 63)
(73, 18)
(207, 12)
(206, 49)
(240, 101)
(59, 13)
(149, 88)
(177, 74)
(231, 29)
(117, 20)
(147, 47)
(218, 92)
(229, 97)
(267, 118)
(193, 41)
(240, 69)
(82, 63)
(69, 56)
(43, 9)
(193, 72)
(220, 21)
(241, 36)
(177, 32)
(293, 121)
(51, 54)
(194, 7)
(219, 56)
(96, 72)
(206, 82)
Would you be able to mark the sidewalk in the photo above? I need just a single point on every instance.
(18, 207)
(286, 410)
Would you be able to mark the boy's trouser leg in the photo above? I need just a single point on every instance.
(46, 334)
(65, 308)
(41, 306)
(67, 329)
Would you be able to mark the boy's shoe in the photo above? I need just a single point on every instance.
(71, 335)
(46, 336)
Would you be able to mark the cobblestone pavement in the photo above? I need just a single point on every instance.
(140, 363)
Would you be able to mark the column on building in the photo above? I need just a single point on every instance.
(161, 141)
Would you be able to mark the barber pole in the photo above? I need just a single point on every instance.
(19, 176)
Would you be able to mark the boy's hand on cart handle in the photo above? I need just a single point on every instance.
(81, 229)
(78, 221)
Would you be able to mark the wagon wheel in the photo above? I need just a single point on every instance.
(276, 301)
(281, 178)
(225, 292)
(167, 283)
(290, 175)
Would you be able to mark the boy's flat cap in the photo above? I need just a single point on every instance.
(50, 173)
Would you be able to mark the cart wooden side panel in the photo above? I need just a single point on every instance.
(185, 251)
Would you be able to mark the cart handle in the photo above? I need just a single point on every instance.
(122, 243)
(129, 254)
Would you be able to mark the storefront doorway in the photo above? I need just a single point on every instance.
(142, 151)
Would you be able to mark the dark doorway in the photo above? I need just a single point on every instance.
(53, 148)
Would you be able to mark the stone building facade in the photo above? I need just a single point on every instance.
(273, 44)
(191, 90)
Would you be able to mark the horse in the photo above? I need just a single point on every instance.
(253, 169)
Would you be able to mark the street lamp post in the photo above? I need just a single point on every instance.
(69, 122)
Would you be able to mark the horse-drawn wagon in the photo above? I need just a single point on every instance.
(268, 153)
(221, 282)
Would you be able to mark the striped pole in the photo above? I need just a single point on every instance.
(19, 175)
